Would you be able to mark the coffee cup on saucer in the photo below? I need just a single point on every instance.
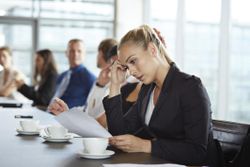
(57, 132)
(29, 125)
(95, 146)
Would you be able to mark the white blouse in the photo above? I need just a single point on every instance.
(12, 75)
(150, 108)
(94, 106)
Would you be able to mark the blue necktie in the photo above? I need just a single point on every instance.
(63, 85)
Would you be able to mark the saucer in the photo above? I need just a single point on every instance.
(23, 132)
(106, 154)
(57, 140)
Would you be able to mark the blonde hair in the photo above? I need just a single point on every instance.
(7, 49)
(142, 36)
(75, 41)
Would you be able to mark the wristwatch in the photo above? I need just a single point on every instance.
(97, 84)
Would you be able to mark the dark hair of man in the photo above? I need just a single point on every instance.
(105, 47)
(112, 52)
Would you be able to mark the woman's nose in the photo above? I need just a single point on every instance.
(132, 72)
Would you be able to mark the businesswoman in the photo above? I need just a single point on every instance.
(171, 118)
(9, 74)
(44, 78)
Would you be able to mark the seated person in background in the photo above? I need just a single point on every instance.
(73, 85)
(171, 118)
(44, 80)
(94, 106)
(129, 91)
(8, 75)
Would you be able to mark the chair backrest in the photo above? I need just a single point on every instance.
(230, 136)
(242, 159)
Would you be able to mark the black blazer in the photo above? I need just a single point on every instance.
(45, 92)
(180, 126)
(125, 92)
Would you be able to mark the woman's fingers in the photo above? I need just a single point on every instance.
(117, 73)
(130, 143)
(121, 140)
(122, 144)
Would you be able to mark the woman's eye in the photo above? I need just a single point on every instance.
(133, 61)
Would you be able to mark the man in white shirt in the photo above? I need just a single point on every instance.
(94, 106)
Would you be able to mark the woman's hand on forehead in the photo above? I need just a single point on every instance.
(123, 67)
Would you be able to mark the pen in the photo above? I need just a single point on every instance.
(23, 116)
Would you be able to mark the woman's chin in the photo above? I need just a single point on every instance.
(146, 82)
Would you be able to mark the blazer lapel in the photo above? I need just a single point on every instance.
(166, 86)
(145, 103)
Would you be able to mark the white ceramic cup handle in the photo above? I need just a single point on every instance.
(46, 130)
(21, 125)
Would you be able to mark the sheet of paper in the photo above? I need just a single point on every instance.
(143, 165)
(81, 123)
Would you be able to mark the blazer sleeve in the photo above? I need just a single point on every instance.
(118, 123)
(195, 106)
(44, 94)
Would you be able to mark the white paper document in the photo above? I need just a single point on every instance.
(82, 124)
(143, 165)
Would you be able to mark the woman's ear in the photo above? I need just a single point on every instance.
(152, 49)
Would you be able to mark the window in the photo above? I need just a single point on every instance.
(55, 35)
(20, 43)
(163, 16)
(202, 42)
(239, 88)
(87, 10)
(51, 24)
(17, 8)
(202, 25)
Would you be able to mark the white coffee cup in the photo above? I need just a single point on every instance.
(95, 145)
(29, 125)
(56, 131)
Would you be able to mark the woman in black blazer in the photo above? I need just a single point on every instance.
(44, 78)
(172, 117)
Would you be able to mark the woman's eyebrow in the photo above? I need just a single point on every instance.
(129, 58)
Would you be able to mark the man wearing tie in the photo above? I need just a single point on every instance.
(73, 85)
